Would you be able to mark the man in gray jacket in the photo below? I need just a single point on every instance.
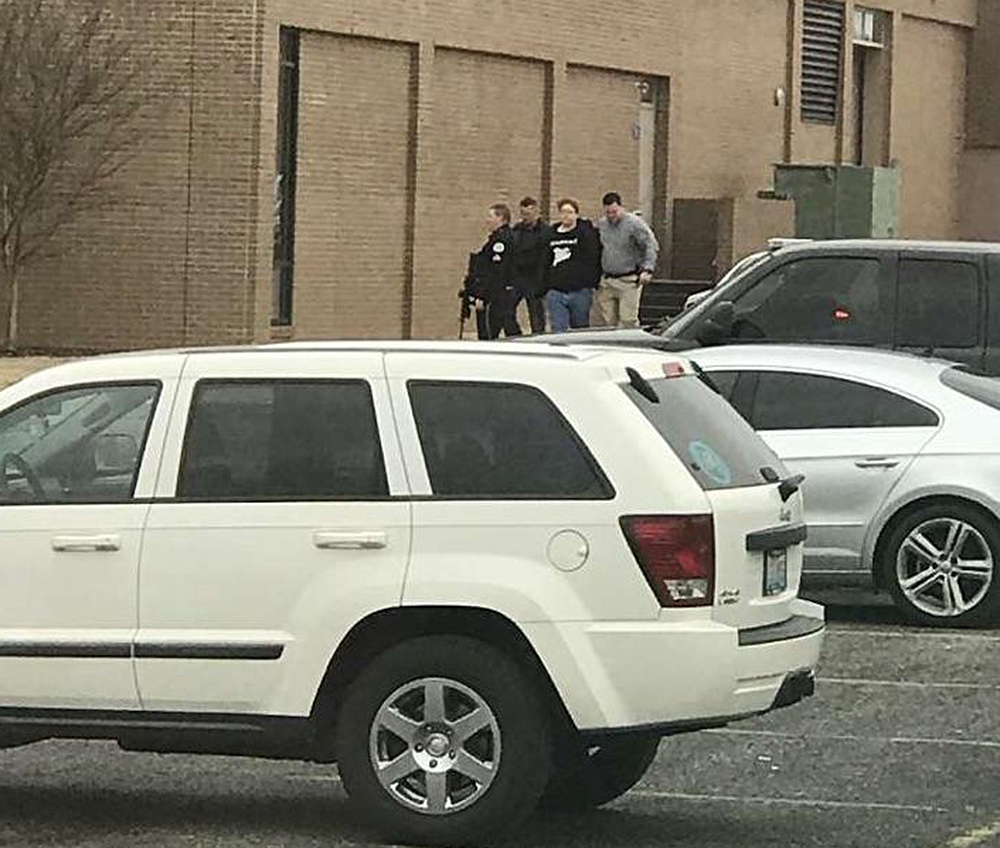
(628, 257)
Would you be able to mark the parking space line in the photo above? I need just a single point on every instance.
(976, 837)
(793, 802)
(905, 684)
(847, 737)
(913, 634)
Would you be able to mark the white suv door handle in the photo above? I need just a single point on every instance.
(86, 544)
(880, 462)
(337, 540)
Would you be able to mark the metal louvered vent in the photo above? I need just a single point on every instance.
(822, 44)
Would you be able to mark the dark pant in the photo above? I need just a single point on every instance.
(536, 310)
(498, 315)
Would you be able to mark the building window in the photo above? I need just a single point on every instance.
(822, 46)
(871, 86)
(285, 176)
(869, 28)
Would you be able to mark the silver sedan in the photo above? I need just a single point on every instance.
(901, 457)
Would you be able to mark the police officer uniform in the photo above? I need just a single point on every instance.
(494, 270)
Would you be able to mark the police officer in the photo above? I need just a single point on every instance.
(494, 291)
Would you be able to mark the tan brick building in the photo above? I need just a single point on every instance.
(377, 133)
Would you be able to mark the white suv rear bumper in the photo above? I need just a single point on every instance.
(631, 675)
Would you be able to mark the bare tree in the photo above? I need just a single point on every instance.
(70, 94)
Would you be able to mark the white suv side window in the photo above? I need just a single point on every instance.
(80, 445)
(501, 441)
(282, 440)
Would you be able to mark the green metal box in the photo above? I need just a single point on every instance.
(841, 201)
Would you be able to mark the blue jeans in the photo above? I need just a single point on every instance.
(569, 309)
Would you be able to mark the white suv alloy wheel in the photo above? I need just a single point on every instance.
(435, 746)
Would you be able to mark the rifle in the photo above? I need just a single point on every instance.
(466, 295)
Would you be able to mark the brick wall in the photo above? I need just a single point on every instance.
(980, 190)
(171, 257)
(929, 124)
(983, 111)
(597, 148)
(224, 161)
(354, 158)
(109, 278)
(488, 73)
(485, 146)
(416, 116)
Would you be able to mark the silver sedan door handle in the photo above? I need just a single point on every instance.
(336, 540)
(879, 462)
(86, 544)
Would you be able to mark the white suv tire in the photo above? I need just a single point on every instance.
(423, 776)
(587, 777)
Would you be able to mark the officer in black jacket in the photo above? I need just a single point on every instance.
(493, 286)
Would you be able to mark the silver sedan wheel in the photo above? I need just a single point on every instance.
(944, 567)
(435, 746)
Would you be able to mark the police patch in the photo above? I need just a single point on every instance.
(499, 247)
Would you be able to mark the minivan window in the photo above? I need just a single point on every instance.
(706, 433)
(79, 445)
(282, 440)
(826, 298)
(501, 441)
(939, 304)
(789, 401)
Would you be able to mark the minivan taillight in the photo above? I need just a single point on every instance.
(677, 555)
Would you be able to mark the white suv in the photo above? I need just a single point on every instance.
(474, 576)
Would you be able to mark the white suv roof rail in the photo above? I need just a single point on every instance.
(778, 243)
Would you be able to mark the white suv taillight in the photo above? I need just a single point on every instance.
(677, 555)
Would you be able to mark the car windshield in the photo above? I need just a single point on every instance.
(976, 386)
(744, 266)
(707, 434)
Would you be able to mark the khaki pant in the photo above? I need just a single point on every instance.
(616, 302)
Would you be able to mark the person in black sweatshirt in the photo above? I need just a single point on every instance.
(573, 269)
(531, 244)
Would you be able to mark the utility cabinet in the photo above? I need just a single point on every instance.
(841, 201)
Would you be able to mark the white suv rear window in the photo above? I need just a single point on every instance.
(709, 436)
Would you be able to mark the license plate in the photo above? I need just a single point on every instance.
(775, 572)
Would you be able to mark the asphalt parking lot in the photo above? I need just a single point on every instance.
(899, 748)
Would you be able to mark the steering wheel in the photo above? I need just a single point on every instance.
(19, 464)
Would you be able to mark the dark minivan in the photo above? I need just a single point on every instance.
(940, 298)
